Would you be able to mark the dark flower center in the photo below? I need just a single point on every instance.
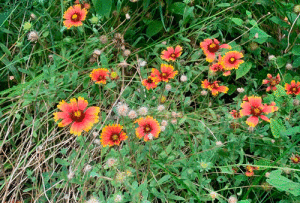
(273, 82)
(77, 116)
(147, 128)
(256, 111)
(232, 60)
(101, 77)
(294, 89)
(75, 17)
(164, 75)
(115, 137)
(173, 55)
(213, 47)
(149, 80)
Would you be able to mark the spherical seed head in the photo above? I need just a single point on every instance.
(143, 111)
(95, 134)
(97, 52)
(126, 52)
(168, 87)
(123, 64)
(289, 66)
(11, 77)
(297, 9)
(296, 102)
(132, 114)
(142, 63)
(164, 122)
(160, 108)
(271, 57)
(97, 141)
(162, 128)
(213, 195)
(273, 141)
(150, 136)
(256, 35)
(111, 162)
(93, 200)
(33, 36)
(71, 175)
(267, 175)
(164, 42)
(87, 168)
(204, 92)
(253, 46)
(32, 16)
(122, 109)
(118, 36)
(174, 121)
(103, 39)
(240, 90)
(50, 56)
(127, 16)
(174, 114)
(183, 78)
(232, 199)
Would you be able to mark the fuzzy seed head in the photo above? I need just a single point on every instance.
(111, 162)
(122, 109)
(87, 168)
(162, 128)
(168, 87)
(164, 122)
(103, 39)
(289, 66)
(296, 102)
(232, 199)
(240, 90)
(271, 57)
(183, 78)
(174, 121)
(33, 36)
(160, 108)
(143, 111)
(213, 195)
(97, 141)
(132, 114)
(118, 198)
(219, 143)
(127, 16)
(97, 52)
(204, 92)
(123, 64)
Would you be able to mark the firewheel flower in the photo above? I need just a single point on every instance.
(147, 126)
(83, 4)
(74, 16)
(112, 135)
(255, 109)
(150, 82)
(76, 113)
(235, 114)
(232, 60)
(214, 87)
(171, 54)
(210, 47)
(99, 75)
(295, 158)
(293, 88)
(218, 67)
(272, 81)
(167, 72)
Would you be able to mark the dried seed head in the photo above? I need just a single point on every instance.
(143, 111)
(219, 143)
(132, 114)
(11, 77)
(95, 134)
(160, 108)
(97, 141)
(32, 16)
(174, 121)
(126, 52)
(103, 39)
(118, 36)
(296, 102)
(213, 195)
(164, 122)
(183, 78)
(122, 109)
(204, 92)
(50, 57)
(111, 162)
(87, 168)
(97, 52)
(168, 87)
(240, 90)
(33, 36)
(271, 57)
(289, 66)
(164, 42)
(118, 198)
(267, 175)
(162, 128)
(127, 16)
(123, 64)
(71, 175)
(232, 199)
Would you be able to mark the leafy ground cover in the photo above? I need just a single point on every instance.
(149, 101)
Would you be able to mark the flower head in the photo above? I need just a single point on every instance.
(168, 87)
(112, 135)
(150, 82)
(171, 54)
(214, 87)
(219, 67)
(143, 111)
(183, 78)
(160, 108)
(111, 162)
(132, 114)
(210, 47)
(232, 199)
(122, 109)
(114, 75)
(293, 88)
(164, 123)
(232, 60)
(272, 81)
(83, 4)
(99, 75)
(167, 72)
(118, 198)
(235, 114)
(250, 170)
(295, 158)
(33, 36)
(255, 109)
(147, 126)
(74, 16)
(76, 114)
(213, 195)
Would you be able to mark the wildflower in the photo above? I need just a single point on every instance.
(240, 90)
(75, 113)
(143, 111)
(271, 57)
(142, 63)
(118, 198)
(126, 52)
(160, 108)
(219, 67)
(150, 82)
(112, 135)
(219, 143)
(171, 54)
(50, 56)
(147, 126)
(213, 195)
(99, 75)
(203, 92)
(214, 87)
(168, 87)
(121, 177)
(123, 64)
(174, 121)
(256, 109)
(111, 162)
(97, 141)
(74, 16)
(33, 36)
(293, 88)
(167, 72)
(245, 98)
(93, 200)
(272, 81)
(210, 47)
(113, 75)
(150, 136)
(183, 78)
(11, 77)
(132, 114)
(122, 109)
(127, 16)
(83, 4)
(97, 53)
(295, 158)
(164, 123)
(103, 39)
(250, 170)
(27, 26)
(87, 168)
(289, 66)
(232, 199)
(232, 60)
(235, 114)
(162, 128)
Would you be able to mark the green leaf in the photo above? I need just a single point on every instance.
(104, 61)
(296, 63)
(276, 127)
(296, 50)
(237, 21)
(178, 8)
(262, 36)
(103, 8)
(5, 49)
(154, 28)
(3, 17)
(62, 162)
(280, 91)
(243, 69)
(222, 5)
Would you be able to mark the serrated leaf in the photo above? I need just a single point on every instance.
(243, 69)
(276, 127)
(280, 91)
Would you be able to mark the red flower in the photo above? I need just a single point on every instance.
(148, 127)
(74, 16)
(245, 98)
(293, 88)
(167, 72)
(150, 82)
(256, 109)
(214, 87)
(231, 60)
(99, 75)
(250, 170)
(112, 135)
(218, 67)
(75, 113)
(295, 158)
(235, 114)
(210, 47)
(272, 81)
(171, 54)
(83, 4)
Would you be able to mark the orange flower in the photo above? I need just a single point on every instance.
(272, 81)
(214, 87)
(295, 158)
(235, 114)
(112, 135)
(167, 72)
(83, 4)
(231, 60)
(218, 67)
(256, 109)
(75, 113)
(74, 16)
(245, 98)
(250, 170)
(99, 75)
(210, 47)
(148, 128)
(171, 54)
(150, 82)
(293, 88)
